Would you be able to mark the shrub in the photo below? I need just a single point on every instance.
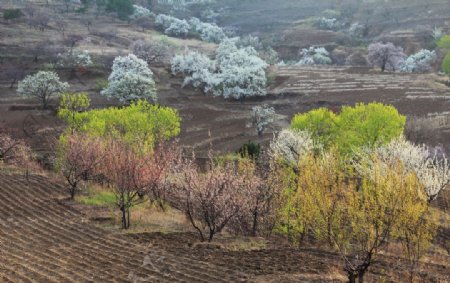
(208, 32)
(444, 42)
(123, 8)
(172, 25)
(420, 62)
(314, 56)
(357, 31)
(141, 12)
(446, 64)
(250, 149)
(328, 24)
(12, 14)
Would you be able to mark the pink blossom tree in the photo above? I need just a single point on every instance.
(79, 158)
(386, 56)
(211, 198)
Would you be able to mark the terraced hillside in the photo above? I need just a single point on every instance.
(44, 240)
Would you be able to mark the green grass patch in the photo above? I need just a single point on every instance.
(98, 198)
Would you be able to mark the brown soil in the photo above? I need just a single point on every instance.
(45, 239)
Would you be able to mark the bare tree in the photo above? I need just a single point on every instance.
(15, 74)
(151, 52)
(15, 152)
(60, 25)
(39, 21)
(144, 23)
(72, 40)
(29, 10)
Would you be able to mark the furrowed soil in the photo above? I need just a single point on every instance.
(44, 238)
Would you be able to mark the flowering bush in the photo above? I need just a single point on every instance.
(172, 25)
(74, 58)
(419, 62)
(208, 32)
(314, 56)
(140, 12)
(328, 24)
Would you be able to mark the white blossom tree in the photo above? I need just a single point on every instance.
(328, 24)
(433, 170)
(420, 62)
(197, 67)
(241, 73)
(73, 59)
(262, 116)
(386, 56)
(314, 56)
(172, 25)
(291, 145)
(357, 31)
(130, 79)
(42, 86)
(140, 12)
(208, 32)
(235, 73)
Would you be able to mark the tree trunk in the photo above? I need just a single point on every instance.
(361, 276)
(124, 217)
(211, 234)
(352, 277)
(72, 192)
(44, 102)
(255, 223)
(128, 218)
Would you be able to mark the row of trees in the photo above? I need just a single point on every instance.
(353, 183)
(131, 79)
(357, 194)
(389, 57)
(235, 72)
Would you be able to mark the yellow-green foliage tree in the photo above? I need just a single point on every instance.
(364, 125)
(320, 123)
(70, 105)
(360, 215)
(141, 125)
(444, 42)
(446, 64)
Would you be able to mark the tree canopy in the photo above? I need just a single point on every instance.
(141, 125)
(368, 125)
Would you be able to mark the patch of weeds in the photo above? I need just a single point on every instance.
(98, 198)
